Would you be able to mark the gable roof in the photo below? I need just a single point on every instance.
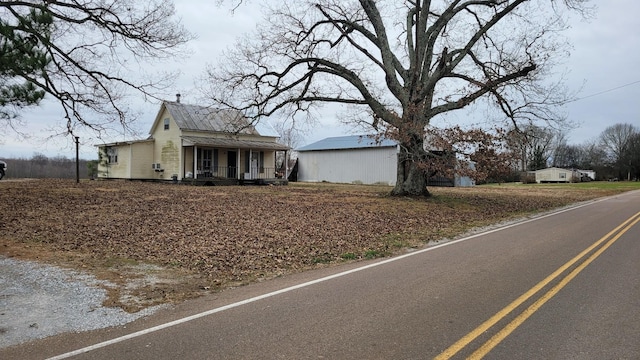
(348, 142)
(208, 119)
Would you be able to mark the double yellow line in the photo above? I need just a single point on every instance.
(608, 240)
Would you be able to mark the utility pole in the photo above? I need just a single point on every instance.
(77, 160)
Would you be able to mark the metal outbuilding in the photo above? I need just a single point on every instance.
(349, 159)
(358, 159)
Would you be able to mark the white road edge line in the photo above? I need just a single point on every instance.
(313, 282)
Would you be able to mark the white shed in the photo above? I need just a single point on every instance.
(349, 159)
(356, 159)
(554, 174)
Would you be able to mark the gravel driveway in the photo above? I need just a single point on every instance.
(37, 301)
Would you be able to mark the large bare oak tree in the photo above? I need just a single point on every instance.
(92, 54)
(403, 62)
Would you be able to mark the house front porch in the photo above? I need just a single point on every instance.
(231, 161)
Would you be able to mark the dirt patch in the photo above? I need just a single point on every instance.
(164, 243)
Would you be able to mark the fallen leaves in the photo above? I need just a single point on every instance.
(230, 235)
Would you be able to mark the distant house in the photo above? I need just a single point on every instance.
(354, 159)
(556, 175)
(194, 142)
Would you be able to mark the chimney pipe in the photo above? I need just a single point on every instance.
(177, 98)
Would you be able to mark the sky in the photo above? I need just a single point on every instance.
(604, 66)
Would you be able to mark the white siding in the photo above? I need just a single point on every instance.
(134, 162)
(168, 148)
(140, 161)
(554, 175)
(366, 166)
(119, 169)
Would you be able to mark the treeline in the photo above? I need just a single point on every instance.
(41, 166)
(613, 155)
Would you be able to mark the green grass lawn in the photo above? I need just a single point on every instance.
(616, 186)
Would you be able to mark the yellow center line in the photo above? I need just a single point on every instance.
(475, 333)
(502, 334)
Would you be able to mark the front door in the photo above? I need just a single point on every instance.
(232, 170)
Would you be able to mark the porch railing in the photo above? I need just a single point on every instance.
(231, 172)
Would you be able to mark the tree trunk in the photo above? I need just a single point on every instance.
(411, 178)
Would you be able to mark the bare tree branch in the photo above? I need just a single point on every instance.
(451, 54)
(95, 49)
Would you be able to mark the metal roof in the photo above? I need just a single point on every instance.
(202, 118)
(232, 143)
(120, 143)
(348, 142)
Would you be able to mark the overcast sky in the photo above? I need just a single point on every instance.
(604, 63)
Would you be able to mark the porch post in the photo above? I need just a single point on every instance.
(251, 175)
(286, 165)
(195, 161)
(238, 164)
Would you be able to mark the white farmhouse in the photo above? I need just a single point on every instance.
(196, 143)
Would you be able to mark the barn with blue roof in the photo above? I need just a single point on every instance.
(359, 159)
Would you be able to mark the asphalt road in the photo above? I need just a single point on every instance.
(562, 286)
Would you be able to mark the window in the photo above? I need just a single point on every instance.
(261, 162)
(563, 175)
(205, 159)
(166, 124)
(112, 155)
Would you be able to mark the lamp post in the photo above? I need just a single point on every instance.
(77, 160)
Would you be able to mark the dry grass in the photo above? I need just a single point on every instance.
(164, 243)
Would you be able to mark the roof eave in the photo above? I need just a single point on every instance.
(120, 143)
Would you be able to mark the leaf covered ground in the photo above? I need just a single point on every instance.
(193, 240)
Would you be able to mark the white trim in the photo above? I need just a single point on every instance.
(195, 161)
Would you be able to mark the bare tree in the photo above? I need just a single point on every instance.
(96, 51)
(534, 144)
(631, 158)
(291, 136)
(592, 156)
(616, 140)
(566, 156)
(563, 154)
(404, 62)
